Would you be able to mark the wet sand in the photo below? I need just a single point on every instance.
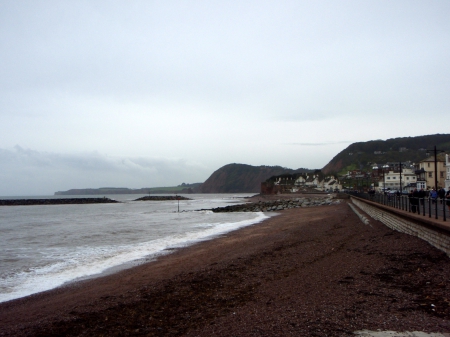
(315, 271)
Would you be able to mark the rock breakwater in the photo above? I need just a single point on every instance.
(65, 201)
(161, 198)
(277, 205)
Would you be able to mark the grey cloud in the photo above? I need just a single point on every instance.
(213, 82)
(27, 172)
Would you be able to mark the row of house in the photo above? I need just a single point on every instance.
(430, 173)
(390, 176)
(394, 176)
(298, 183)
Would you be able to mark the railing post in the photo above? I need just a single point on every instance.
(436, 208)
(444, 204)
(429, 207)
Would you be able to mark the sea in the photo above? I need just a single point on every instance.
(43, 247)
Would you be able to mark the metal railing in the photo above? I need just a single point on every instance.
(432, 207)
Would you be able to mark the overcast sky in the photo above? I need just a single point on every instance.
(156, 93)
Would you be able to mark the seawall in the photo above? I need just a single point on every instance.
(435, 232)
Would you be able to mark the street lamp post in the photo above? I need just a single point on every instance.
(401, 188)
(435, 165)
(435, 175)
(375, 168)
(386, 166)
(384, 176)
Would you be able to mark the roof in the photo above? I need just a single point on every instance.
(440, 158)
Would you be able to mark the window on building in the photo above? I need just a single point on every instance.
(430, 174)
(407, 178)
(442, 174)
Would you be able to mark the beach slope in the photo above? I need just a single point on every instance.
(315, 271)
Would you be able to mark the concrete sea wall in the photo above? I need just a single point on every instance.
(437, 235)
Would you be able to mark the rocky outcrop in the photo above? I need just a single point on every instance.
(29, 202)
(277, 205)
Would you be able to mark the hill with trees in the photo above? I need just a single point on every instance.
(363, 155)
(236, 178)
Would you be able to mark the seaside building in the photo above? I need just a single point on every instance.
(300, 181)
(394, 176)
(396, 180)
(447, 166)
(330, 184)
(425, 171)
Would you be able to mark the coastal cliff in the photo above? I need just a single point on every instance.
(238, 178)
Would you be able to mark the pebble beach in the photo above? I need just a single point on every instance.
(308, 271)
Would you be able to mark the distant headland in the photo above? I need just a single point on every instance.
(180, 189)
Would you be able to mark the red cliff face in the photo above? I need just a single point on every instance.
(333, 167)
(240, 178)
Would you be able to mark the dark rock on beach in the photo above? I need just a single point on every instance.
(277, 205)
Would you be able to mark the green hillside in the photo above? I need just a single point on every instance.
(363, 155)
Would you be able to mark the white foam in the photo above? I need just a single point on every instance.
(90, 261)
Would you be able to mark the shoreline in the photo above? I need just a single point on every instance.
(307, 271)
(167, 249)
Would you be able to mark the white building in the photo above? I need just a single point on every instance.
(392, 179)
(300, 181)
(330, 184)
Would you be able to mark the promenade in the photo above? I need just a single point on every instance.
(317, 271)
